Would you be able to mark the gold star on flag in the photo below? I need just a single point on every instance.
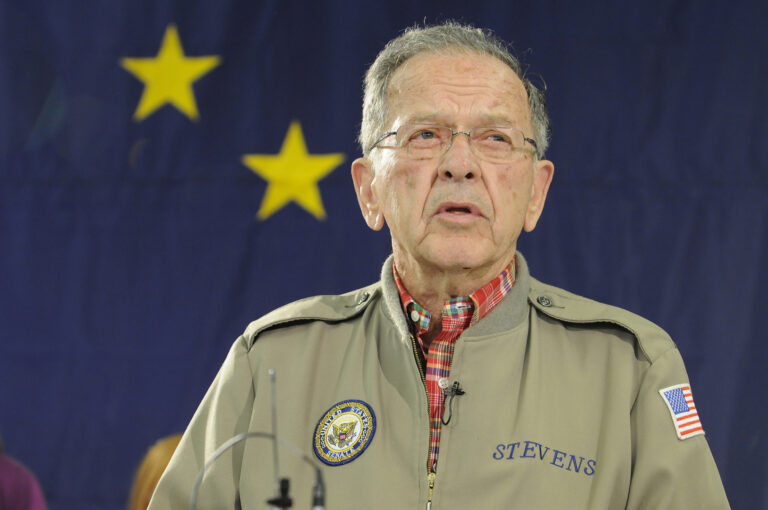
(292, 175)
(168, 77)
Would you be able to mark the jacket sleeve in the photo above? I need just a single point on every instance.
(224, 412)
(668, 472)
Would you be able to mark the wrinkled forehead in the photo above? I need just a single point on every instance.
(439, 87)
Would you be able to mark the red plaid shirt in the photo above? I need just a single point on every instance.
(458, 314)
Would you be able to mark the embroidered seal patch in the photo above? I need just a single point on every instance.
(685, 418)
(344, 432)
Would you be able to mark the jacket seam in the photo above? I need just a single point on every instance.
(645, 375)
(604, 321)
(251, 339)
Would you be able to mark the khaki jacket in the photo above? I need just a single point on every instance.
(562, 410)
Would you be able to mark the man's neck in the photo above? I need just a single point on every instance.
(431, 286)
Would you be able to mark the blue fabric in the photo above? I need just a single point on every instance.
(131, 255)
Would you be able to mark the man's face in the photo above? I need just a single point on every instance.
(455, 211)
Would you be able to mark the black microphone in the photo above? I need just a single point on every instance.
(449, 392)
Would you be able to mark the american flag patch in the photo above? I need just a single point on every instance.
(679, 400)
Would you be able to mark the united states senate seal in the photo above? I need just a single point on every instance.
(344, 432)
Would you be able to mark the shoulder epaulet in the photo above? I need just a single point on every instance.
(329, 308)
(568, 307)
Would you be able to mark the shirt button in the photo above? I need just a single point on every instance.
(363, 298)
(415, 316)
(443, 383)
(544, 301)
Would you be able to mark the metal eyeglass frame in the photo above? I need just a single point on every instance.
(375, 144)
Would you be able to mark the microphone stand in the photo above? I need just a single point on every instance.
(318, 491)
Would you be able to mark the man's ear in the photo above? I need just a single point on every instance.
(542, 178)
(363, 176)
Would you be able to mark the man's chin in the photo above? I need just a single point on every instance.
(458, 258)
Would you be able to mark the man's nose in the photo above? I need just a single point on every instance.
(459, 161)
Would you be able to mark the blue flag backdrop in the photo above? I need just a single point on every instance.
(169, 171)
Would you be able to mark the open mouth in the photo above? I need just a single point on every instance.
(458, 210)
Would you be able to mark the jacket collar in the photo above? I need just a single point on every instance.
(508, 314)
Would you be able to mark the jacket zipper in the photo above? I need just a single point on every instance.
(431, 483)
(431, 475)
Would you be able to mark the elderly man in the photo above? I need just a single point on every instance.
(457, 381)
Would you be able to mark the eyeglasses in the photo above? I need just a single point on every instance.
(427, 141)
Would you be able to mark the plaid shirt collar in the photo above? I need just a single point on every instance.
(481, 302)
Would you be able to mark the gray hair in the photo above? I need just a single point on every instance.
(439, 38)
